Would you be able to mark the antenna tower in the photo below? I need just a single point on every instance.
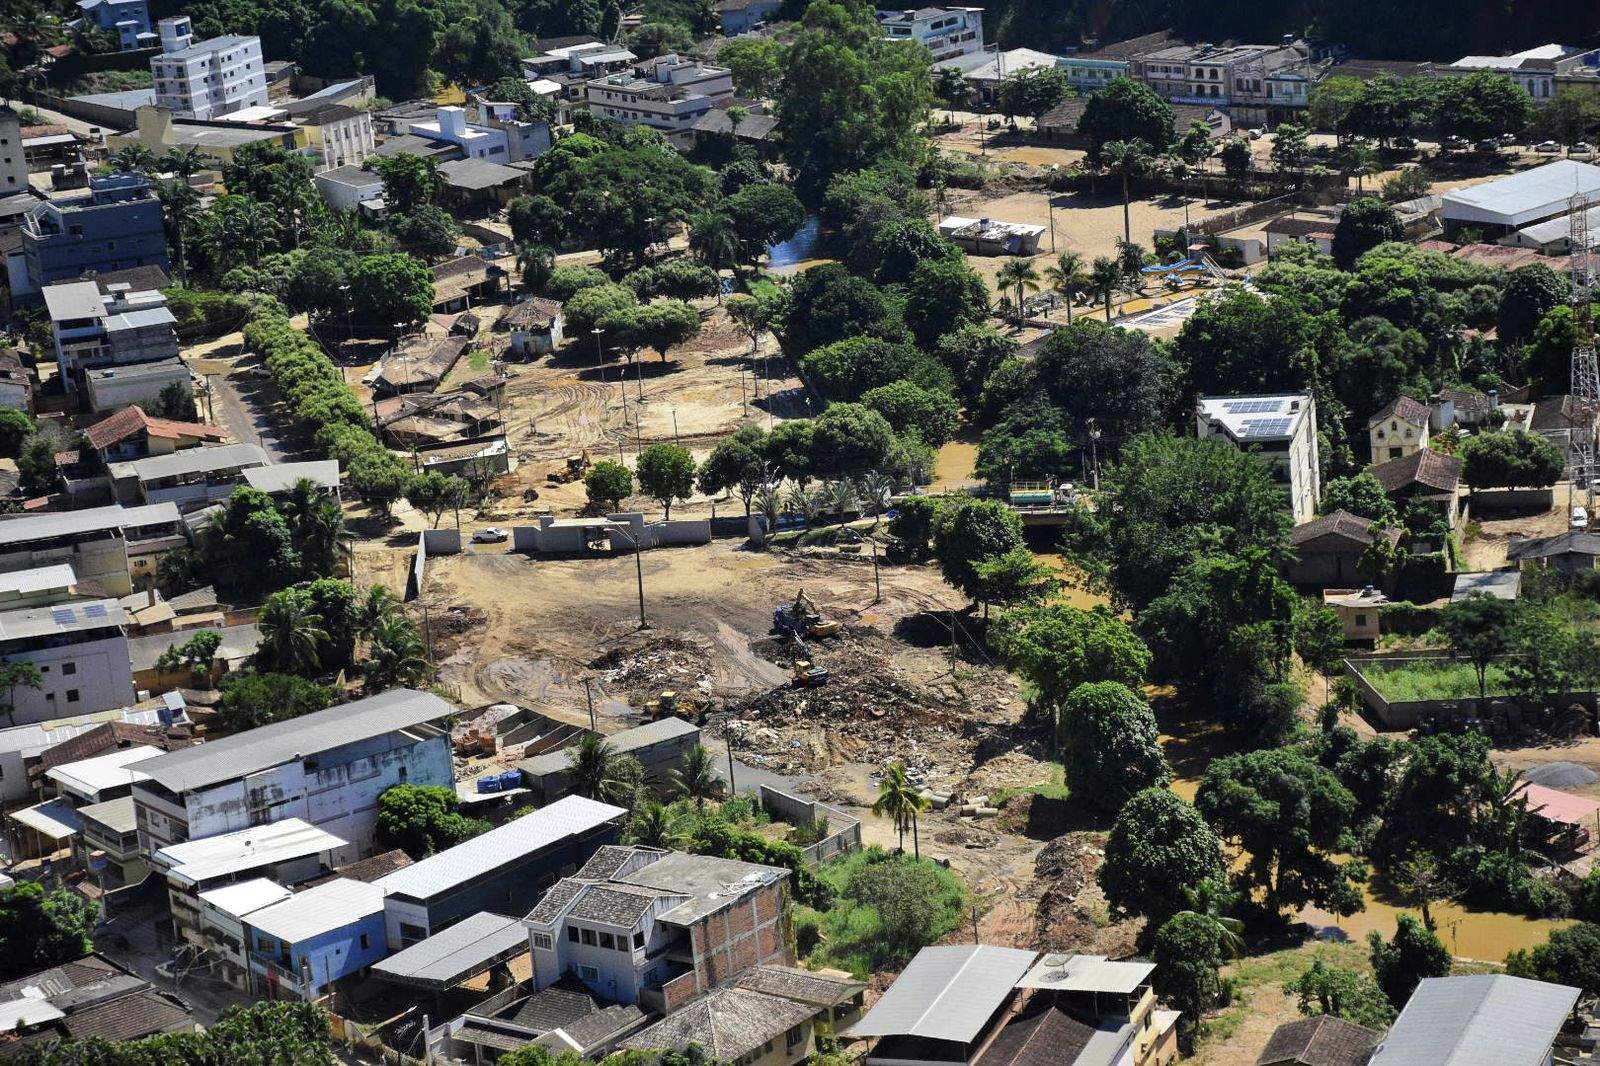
(1585, 374)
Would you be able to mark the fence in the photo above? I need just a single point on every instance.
(1497, 714)
(844, 831)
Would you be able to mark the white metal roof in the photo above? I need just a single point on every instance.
(24, 529)
(1558, 229)
(74, 299)
(1256, 419)
(117, 815)
(246, 897)
(500, 846)
(459, 952)
(946, 993)
(27, 1011)
(101, 772)
(1087, 973)
(1523, 198)
(280, 477)
(55, 818)
(195, 861)
(38, 579)
(329, 906)
(1477, 1020)
(29, 740)
(192, 461)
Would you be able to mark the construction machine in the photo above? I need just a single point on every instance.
(801, 619)
(809, 675)
(668, 705)
(576, 467)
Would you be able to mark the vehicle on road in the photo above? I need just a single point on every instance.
(491, 535)
(1580, 518)
(1547, 148)
(1581, 148)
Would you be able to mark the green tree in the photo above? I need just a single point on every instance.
(423, 820)
(1126, 110)
(1530, 293)
(378, 481)
(1021, 276)
(390, 290)
(1508, 459)
(36, 465)
(849, 440)
(1126, 160)
(1288, 815)
(1330, 990)
(934, 415)
(1117, 377)
(943, 296)
(409, 181)
(293, 639)
(15, 427)
(1290, 147)
(395, 656)
(1479, 630)
(827, 303)
(41, 928)
(970, 531)
(1401, 964)
(1188, 958)
(666, 472)
(662, 325)
(1364, 224)
(428, 231)
(737, 464)
(434, 493)
(900, 801)
(1481, 104)
(1014, 578)
(1110, 745)
(594, 767)
(972, 354)
(590, 306)
(1059, 648)
(1360, 494)
(608, 484)
(1068, 278)
(1159, 847)
(1105, 274)
(1237, 158)
(252, 699)
(1032, 92)
(697, 778)
(763, 215)
(756, 63)
(1570, 957)
(19, 673)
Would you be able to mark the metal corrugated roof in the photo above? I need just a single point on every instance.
(460, 952)
(117, 815)
(947, 993)
(62, 618)
(195, 861)
(498, 847)
(280, 742)
(281, 477)
(246, 897)
(103, 771)
(55, 818)
(1087, 973)
(192, 461)
(1477, 1020)
(329, 906)
(25, 528)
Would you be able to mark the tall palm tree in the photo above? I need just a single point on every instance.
(534, 264)
(876, 492)
(184, 162)
(1019, 273)
(592, 767)
(292, 634)
(1068, 278)
(697, 777)
(1506, 808)
(133, 158)
(900, 801)
(394, 656)
(1210, 900)
(713, 240)
(180, 206)
(950, 86)
(378, 605)
(1126, 160)
(1104, 276)
(653, 825)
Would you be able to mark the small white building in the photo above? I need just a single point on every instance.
(223, 914)
(1282, 430)
(476, 142)
(101, 778)
(351, 188)
(987, 236)
(1399, 428)
(944, 31)
(210, 78)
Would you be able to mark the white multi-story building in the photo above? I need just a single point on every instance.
(81, 652)
(1535, 69)
(1282, 430)
(667, 94)
(476, 142)
(944, 31)
(207, 79)
(13, 167)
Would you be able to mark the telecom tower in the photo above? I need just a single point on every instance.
(1585, 374)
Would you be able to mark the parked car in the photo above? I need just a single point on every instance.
(1580, 518)
(1581, 148)
(491, 535)
(1488, 144)
(1547, 147)
(1257, 133)
(1454, 144)
(1507, 140)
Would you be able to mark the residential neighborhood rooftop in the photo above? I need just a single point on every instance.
(195, 862)
(947, 993)
(321, 909)
(1477, 1020)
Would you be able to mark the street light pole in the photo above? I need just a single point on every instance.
(599, 356)
(1094, 453)
(638, 565)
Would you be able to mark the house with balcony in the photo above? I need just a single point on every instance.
(108, 844)
(450, 125)
(127, 20)
(667, 94)
(115, 224)
(944, 31)
(1095, 67)
(1281, 430)
(287, 852)
(92, 330)
(327, 768)
(224, 913)
(561, 66)
(298, 947)
(505, 870)
(659, 928)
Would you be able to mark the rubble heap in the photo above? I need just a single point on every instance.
(641, 668)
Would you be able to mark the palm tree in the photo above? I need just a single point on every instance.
(806, 502)
(876, 492)
(1020, 273)
(180, 205)
(1104, 276)
(534, 264)
(1210, 900)
(697, 777)
(1127, 160)
(713, 240)
(654, 826)
(1362, 161)
(591, 765)
(842, 498)
(770, 506)
(184, 162)
(378, 605)
(133, 158)
(394, 656)
(900, 801)
(292, 635)
(1506, 803)
(1068, 278)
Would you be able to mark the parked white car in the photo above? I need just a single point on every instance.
(491, 535)
(1547, 148)
(1580, 518)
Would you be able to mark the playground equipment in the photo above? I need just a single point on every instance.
(1197, 265)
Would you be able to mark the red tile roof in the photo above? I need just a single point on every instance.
(131, 420)
(1428, 468)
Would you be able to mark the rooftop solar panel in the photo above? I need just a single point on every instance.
(1267, 427)
(95, 610)
(63, 615)
(1252, 407)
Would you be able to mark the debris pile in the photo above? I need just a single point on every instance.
(640, 669)
(448, 627)
(1060, 874)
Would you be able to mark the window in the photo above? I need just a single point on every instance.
(364, 942)
(793, 1037)
(1361, 619)
(608, 942)
(588, 973)
(588, 937)
(572, 933)
(68, 669)
(72, 695)
(638, 938)
(542, 941)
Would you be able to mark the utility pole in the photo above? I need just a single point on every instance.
(588, 697)
(877, 585)
(731, 788)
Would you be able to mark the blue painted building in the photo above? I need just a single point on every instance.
(742, 16)
(300, 946)
(128, 19)
(115, 226)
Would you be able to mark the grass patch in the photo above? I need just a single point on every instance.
(478, 360)
(1257, 975)
(1055, 788)
(1434, 680)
